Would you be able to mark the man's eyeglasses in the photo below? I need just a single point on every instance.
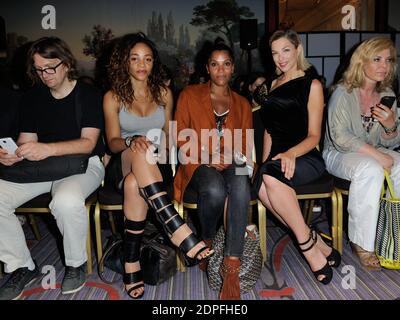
(49, 70)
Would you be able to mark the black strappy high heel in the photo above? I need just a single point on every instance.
(335, 257)
(132, 254)
(326, 270)
(171, 220)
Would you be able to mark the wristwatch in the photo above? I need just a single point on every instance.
(391, 130)
(128, 141)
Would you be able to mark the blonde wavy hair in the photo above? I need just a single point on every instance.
(354, 76)
(294, 39)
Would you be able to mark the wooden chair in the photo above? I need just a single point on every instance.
(40, 205)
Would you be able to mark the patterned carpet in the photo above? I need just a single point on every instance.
(286, 275)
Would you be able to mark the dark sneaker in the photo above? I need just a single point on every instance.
(18, 280)
(74, 279)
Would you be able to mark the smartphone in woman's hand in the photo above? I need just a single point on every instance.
(388, 101)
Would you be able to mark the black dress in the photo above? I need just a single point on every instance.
(284, 114)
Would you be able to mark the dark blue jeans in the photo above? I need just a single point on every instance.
(212, 188)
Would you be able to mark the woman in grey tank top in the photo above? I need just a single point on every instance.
(136, 109)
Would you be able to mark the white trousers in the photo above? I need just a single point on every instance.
(366, 176)
(67, 207)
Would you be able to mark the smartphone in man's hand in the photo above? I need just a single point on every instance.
(8, 144)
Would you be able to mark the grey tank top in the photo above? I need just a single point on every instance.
(149, 126)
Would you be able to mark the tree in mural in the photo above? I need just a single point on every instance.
(160, 28)
(95, 42)
(220, 16)
(170, 30)
(181, 39)
(187, 37)
(152, 26)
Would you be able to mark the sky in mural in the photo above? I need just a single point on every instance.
(75, 18)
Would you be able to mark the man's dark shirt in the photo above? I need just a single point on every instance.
(9, 113)
(54, 120)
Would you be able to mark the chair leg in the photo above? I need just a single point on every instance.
(34, 226)
(1, 270)
(335, 215)
(262, 228)
(339, 219)
(112, 222)
(89, 263)
(310, 212)
(97, 228)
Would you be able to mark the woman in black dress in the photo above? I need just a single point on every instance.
(292, 115)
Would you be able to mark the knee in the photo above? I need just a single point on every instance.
(131, 184)
(68, 203)
(142, 158)
(6, 204)
(214, 192)
(369, 168)
(270, 182)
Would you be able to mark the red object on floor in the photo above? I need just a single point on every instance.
(112, 293)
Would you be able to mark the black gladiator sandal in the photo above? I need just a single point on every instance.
(132, 254)
(326, 270)
(334, 258)
(171, 220)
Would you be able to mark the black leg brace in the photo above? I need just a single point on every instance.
(132, 252)
(165, 211)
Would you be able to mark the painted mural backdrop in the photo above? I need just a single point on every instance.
(179, 27)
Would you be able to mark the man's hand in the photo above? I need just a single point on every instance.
(8, 159)
(34, 151)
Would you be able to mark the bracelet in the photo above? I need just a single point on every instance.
(129, 140)
(392, 129)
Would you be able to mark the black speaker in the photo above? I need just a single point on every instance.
(248, 34)
(3, 39)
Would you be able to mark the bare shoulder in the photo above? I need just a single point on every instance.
(111, 99)
(111, 103)
(166, 95)
(316, 85)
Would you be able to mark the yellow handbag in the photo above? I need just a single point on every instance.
(387, 243)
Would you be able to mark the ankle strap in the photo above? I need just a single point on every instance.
(135, 225)
(312, 237)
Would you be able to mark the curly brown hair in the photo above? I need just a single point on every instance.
(118, 70)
